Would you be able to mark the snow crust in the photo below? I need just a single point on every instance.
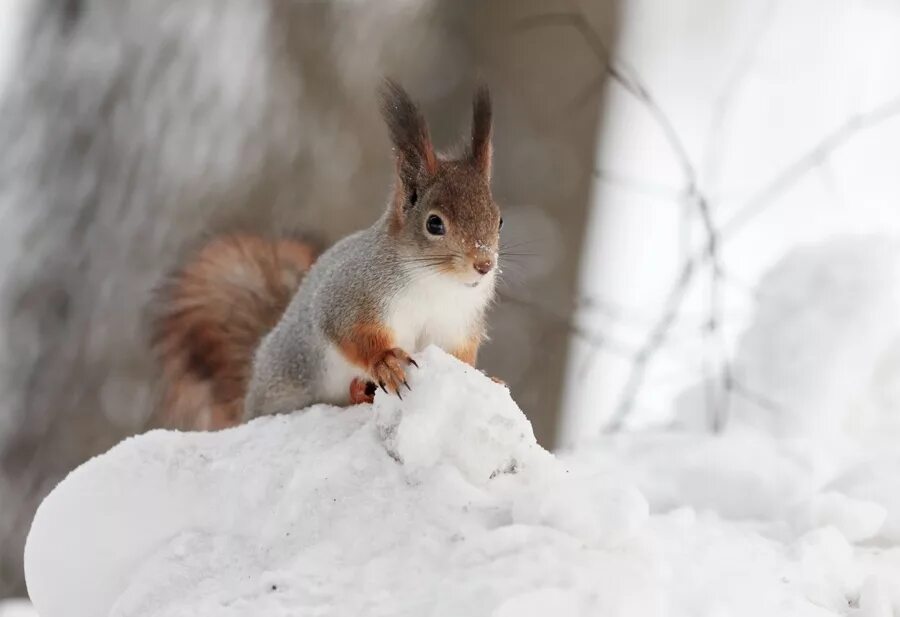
(443, 504)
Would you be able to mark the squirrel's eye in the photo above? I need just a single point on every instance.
(501, 223)
(435, 225)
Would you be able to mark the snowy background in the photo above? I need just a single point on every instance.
(735, 133)
(729, 414)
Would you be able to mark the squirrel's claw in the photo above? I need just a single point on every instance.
(407, 385)
(413, 362)
(388, 370)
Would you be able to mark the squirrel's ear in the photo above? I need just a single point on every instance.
(409, 134)
(482, 149)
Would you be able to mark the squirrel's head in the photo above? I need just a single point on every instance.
(442, 211)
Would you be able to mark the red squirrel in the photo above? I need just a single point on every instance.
(254, 326)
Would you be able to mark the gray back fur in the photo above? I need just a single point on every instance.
(353, 280)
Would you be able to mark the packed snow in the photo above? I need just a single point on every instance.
(442, 503)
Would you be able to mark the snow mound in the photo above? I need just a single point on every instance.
(434, 424)
(391, 508)
(438, 504)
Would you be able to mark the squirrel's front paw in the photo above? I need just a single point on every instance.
(389, 370)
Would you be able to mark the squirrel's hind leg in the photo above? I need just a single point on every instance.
(362, 391)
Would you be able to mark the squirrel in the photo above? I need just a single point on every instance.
(254, 326)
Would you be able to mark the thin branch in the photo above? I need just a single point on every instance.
(594, 339)
(633, 84)
(725, 100)
(572, 20)
(587, 92)
(636, 185)
(653, 342)
(756, 398)
(793, 173)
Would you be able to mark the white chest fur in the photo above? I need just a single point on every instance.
(435, 309)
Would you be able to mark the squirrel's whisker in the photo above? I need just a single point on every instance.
(519, 243)
(503, 254)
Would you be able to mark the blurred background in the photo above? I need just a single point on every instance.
(704, 194)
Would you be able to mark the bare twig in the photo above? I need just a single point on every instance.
(653, 342)
(569, 19)
(812, 158)
(595, 339)
(636, 185)
(725, 100)
(755, 398)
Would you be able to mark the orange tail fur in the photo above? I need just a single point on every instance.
(215, 311)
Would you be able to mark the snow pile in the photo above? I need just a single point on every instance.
(759, 515)
(443, 504)
(434, 503)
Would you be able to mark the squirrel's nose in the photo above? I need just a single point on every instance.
(483, 266)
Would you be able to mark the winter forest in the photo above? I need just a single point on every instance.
(694, 336)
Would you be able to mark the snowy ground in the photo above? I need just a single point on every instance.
(443, 504)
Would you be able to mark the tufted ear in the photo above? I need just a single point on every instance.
(416, 160)
(481, 148)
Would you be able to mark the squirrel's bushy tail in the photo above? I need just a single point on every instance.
(213, 313)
